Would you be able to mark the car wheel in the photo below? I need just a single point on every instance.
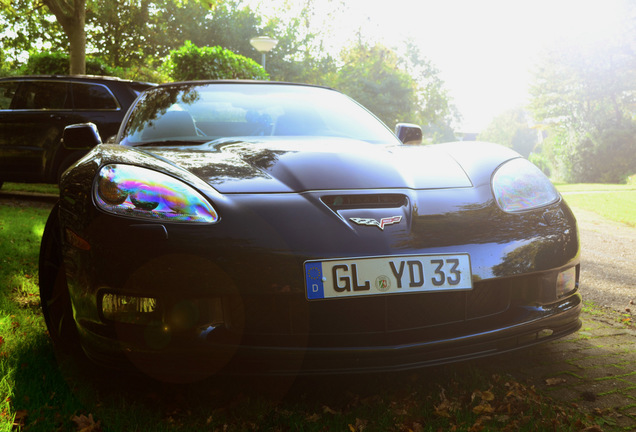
(54, 295)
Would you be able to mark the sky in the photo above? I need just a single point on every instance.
(485, 50)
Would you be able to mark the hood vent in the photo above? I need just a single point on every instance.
(367, 201)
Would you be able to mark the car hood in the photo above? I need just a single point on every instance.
(315, 164)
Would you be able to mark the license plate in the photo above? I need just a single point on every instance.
(387, 275)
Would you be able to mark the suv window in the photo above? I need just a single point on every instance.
(93, 97)
(34, 110)
(7, 91)
(41, 95)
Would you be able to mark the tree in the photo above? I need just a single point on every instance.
(585, 88)
(372, 76)
(31, 29)
(436, 112)
(397, 87)
(128, 28)
(120, 31)
(135, 39)
(584, 98)
(24, 25)
(512, 130)
(128, 33)
(72, 18)
(302, 31)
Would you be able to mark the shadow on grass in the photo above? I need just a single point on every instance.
(54, 389)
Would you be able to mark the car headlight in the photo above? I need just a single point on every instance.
(519, 185)
(128, 190)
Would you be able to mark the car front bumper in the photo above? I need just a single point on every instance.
(232, 297)
(162, 350)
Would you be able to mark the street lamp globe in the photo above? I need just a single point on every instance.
(263, 44)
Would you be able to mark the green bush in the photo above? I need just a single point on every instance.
(141, 73)
(57, 63)
(193, 63)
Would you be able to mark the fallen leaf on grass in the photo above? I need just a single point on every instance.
(502, 418)
(486, 396)
(416, 427)
(479, 424)
(313, 418)
(483, 408)
(359, 426)
(554, 381)
(327, 410)
(443, 408)
(20, 418)
(86, 424)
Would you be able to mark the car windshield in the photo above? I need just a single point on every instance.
(199, 113)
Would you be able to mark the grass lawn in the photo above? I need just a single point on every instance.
(31, 187)
(614, 202)
(40, 391)
(594, 187)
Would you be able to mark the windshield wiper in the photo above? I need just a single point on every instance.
(225, 140)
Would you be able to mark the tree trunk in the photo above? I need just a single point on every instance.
(77, 39)
(72, 17)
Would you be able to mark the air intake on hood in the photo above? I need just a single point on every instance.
(340, 202)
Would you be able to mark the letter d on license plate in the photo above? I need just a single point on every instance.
(387, 275)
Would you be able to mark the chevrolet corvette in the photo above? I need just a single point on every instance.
(282, 228)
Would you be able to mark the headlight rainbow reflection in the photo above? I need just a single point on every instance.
(518, 185)
(132, 191)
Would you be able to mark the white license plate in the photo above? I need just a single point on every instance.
(387, 275)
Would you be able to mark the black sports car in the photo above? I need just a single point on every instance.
(282, 228)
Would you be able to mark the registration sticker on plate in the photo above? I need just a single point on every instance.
(387, 275)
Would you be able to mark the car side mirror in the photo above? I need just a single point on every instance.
(81, 136)
(409, 133)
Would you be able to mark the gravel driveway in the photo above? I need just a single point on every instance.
(608, 262)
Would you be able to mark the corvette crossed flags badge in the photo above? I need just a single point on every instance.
(381, 224)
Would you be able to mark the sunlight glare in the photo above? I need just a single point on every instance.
(588, 22)
(484, 50)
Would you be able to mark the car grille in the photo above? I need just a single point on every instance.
(288, 315)
(364, 201)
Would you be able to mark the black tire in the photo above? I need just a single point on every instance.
(54, 295)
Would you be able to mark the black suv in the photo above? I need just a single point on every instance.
(34, 110)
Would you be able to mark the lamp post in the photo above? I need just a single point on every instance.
(263, 44)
